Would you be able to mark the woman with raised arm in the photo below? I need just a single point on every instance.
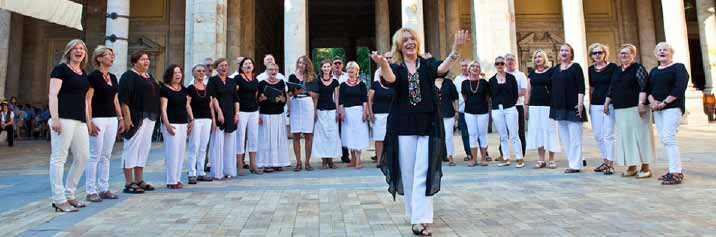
(106, 123)
(415, 141)
(327, 138)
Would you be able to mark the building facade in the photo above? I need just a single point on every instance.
(187, 32)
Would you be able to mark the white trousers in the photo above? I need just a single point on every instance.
(136, 149)
(100, 150)
(302, 115)
(74, 136)
(174, 151)
(449, 124)
(247, 135)
(477, 129)
(667, 125)
(603, 128)
(198, 141)
(570, 135)
(505, 120)
(414, 171)
(223, 154)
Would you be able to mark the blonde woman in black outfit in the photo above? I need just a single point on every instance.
(105, 124)
(600, 76)
(666, 96)
(303, 109)
(634, 133)
(68, 90)
(415, 141)
(504, 93)
(542, 134)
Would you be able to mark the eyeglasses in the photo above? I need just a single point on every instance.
(337, 63)
(500, 64)
(597, 52)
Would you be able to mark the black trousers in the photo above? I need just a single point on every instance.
(10, 134)
(521, 129)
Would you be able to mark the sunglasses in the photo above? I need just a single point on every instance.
(500, 64)
(597, 52)
(337, 63)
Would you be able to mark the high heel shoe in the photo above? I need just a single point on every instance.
(64, 207)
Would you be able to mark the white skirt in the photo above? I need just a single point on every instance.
(354, 131)
(379, 127)
(327, 140)
(542, 130)
(273, 141)
(301, 115)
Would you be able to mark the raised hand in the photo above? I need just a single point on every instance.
(460, 37)
(378, 59)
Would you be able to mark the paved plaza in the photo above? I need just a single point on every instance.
(479, 201)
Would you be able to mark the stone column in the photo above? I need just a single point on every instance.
(241, 22)
(493, 32)
(118, 33)
(205, 33)
(382, 26)
(647, 33)
(412, 16)
(295, 32)
(574, 32)
(675, 30)
(5, 26)
(707, 35)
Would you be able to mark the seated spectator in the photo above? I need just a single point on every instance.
(6, 122)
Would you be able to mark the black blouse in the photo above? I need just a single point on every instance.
(200, 102)
(540, 87)
(297, 84)
(325, 95)
(412, 114)
(71, 98)
(476, 95)
(505, 94)
(273, 92)
(448, 95)
(350, 96)
(566, 86)
(176, 104)
(599, 82)
(247, 94)
(141, 95)
(225, 94)
(669, 81)
(382, 98)
(104, 93)
(626, 86)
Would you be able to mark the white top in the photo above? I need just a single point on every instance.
(236, 73)
(458, 85)
(264, 76)
(3, 115)
(522, 83)
(376, 75)
(342, 78)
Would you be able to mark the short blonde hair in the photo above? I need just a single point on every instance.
(543, 54)
(604, 47)
(631, 48)
(99, 52)
(68, 48)
(353, 64)
(474, 63)
(398, 44)
(663, 45)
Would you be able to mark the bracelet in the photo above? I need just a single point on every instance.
(454, 55)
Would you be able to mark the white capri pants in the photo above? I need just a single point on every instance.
(477, 129)
(449, 124)
(198, 142)
(667, 125)
(74, 136)
(174, 151)
(248, 132)
(302, 115)
(100, 150)
(136, 149)
(414, 171)
(603, 127)
(570, 135)
(379, 127)
(505, 120)
(223, 154)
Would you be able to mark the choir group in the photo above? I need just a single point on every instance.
(409, 110)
